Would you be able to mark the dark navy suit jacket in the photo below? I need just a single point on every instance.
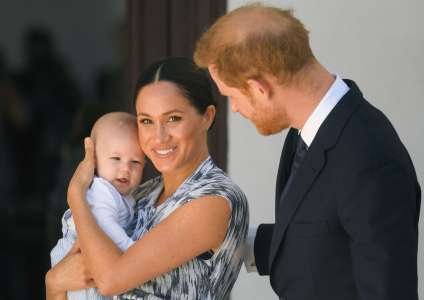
(347, 225)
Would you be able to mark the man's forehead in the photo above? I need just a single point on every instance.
(222, 86)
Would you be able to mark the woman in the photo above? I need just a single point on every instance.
(191, 222)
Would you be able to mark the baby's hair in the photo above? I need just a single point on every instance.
(117, 121)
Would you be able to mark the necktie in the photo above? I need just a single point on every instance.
(301, 150)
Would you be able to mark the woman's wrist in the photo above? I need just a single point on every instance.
(75, 192)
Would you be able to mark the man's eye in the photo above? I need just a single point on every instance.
(115, 158)
(174, 118)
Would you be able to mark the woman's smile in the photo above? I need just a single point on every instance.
(164, 152)
(170, 129)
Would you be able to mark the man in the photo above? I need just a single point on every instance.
(347, 197)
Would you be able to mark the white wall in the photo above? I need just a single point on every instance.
(380, 45)
(84, 30)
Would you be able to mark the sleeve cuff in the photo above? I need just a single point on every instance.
(249, 253)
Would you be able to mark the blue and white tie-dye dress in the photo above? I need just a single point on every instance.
(200, 278)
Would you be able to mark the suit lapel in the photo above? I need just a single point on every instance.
(293, 196)
(311, 166)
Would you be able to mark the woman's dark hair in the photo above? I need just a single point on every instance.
(190, 79)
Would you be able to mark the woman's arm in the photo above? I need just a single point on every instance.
(189, 231)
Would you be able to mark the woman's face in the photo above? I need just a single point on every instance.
(172, 133)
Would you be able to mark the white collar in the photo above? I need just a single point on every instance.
(337, 90)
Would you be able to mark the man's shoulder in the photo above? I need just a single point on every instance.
(370, 127)
(368, 138)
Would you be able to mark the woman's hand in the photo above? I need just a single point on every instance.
(68, 275)
(83, 175)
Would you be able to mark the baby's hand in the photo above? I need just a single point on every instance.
(83, 175)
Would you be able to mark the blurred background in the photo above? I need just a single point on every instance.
(65, 63)
(62, 65)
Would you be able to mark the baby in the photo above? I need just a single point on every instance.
(119, 169)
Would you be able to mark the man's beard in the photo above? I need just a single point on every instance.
(270, 127)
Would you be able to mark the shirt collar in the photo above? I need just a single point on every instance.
(337, 90)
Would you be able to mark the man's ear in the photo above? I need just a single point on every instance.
(260, 88)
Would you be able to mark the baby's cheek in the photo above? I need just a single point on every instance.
(139, 173)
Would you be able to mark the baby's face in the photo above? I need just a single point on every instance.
(120, 161)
